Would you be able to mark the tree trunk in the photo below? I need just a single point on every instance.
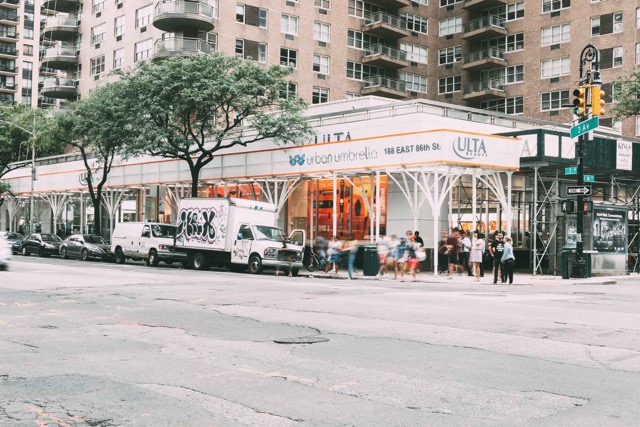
(195, 176)
(97, 221)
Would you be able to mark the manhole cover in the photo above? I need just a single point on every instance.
(301, 340)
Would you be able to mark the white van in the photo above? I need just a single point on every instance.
(149, 241)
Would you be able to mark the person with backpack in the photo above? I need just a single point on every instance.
(508, 260)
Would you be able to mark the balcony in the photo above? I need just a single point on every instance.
(383, 86)
(8, 87)
(174, 16)
(483, 59)
(59, 88)
(483, 90)
(9, 19)
(46, 71)
(8, 69)
(486, 27)
(60, 28)
(60, 58)
(384, 25)
(474, 5)
(10, 4)
(8, 36)
(46, 102)
(8, 52)
(385, 56)
(180, 46)
(391, 4)
(61, 5)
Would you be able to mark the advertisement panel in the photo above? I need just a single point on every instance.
(202, 223)
(609, 230)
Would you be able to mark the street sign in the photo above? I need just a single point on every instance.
(584, 127)
(571, 171)
(589, 178)
(584, 190)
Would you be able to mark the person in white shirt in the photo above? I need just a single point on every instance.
(335, 254)
(463, 256)
(477, 250)
(383, 251)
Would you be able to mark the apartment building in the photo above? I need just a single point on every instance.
(515, 57)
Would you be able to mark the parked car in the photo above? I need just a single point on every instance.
(85, 247)
(14, 239)
(5, 254)
(43, 244)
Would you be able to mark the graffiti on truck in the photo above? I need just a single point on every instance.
(202, 225)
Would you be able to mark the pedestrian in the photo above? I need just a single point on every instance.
(477, 251)
(335, 253)
(383, 251)
(392, 255)
(403, 257)
(443, 259)
(351, 247)
(496, 249)
(508, 260)
(321, 248)
(418, 239)
(463, 256)
(452, 252)
(415, 249)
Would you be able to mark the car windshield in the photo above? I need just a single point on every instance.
(269, 233)
(163, 231)
(13, 236)
(96, 240)
(50, 238)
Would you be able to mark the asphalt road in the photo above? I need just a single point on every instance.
(93, 344)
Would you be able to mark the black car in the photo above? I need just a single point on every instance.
(85, 247)
(14, 239)
(43, 244)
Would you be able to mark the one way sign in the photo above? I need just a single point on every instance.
(584, 190)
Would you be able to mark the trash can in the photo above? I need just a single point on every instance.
(568, 258)
(370, 262)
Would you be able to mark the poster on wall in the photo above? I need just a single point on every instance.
(609, 230)
(624, 156)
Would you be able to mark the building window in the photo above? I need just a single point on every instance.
(289, 91)
(514, 74)
(358, 71)
(510, 43)
(28, 50)
(554, 100)
(322, 4)
(320, 95)
(414, 82)
(509, 12)
(638, 17)
(506, 106)
(556, 34)
(288, 57)
(98, 6)
(97, 33)
(618, 22)
(263, 18)
(617, 56)
(444, 3)
(451, 26)
(240, 13)
(415, 53)
(637, 53)
(351, 95)
(262, 53)
(118, 26)
(449, 84)
(321, 64)
(28, 33)
(143, 16)
(214, 6)
(449, 55)
(415, 23)
(361, 9)
(142, 50)
(637, 125)
(118, 58)
(240, 48)
(553, 5)
(595, 26)
(321, 32)
(289, 24)
(359, 40)
(97, 65)
(555, 67)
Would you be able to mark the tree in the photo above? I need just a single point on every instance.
(98, 128)
(189, 108)
(628, 104)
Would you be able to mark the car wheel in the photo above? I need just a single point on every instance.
(199, 261)
(119, 256)
(255, 264)
(153, 259)
(41, 253)
(85, 255)
(63, 253)
(25, 252)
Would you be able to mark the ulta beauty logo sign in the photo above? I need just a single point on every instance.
(468, 148)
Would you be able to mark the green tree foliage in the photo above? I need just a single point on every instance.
(98, 128)
(628, 97)
(189, 108)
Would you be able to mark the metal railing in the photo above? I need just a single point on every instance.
(59, 82)
(191, 7)
(491, 53)
(61, 21)
(479, 86)
(7, 86)
(379, 49)
(60, 51)
(8, 34)
(182, 44)
(385, 18)
(16, 2)
(8, 50)
(9, 17)
(8, 68)
(385, 82)
(484, 22)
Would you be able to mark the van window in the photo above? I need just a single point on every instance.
(146, 232)
(245, 230)
(160, 230)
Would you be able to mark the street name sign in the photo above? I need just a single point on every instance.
(584, 190)
(584, 127)
(589, 178)
(571, 171)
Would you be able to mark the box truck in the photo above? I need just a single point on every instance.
(237, 234)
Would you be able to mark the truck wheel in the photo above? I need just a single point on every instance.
(153, 259)
(119, 256)
(199, 261)
(255, 264)
(295, 271)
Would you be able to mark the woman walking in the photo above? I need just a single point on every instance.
(508, 260)
(477, 250)
(352, 250)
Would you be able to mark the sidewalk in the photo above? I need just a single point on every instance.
(519, 279)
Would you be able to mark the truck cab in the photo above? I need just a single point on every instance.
(260, 246)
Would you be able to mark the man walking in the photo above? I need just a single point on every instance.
(465, 246)
(497, 249)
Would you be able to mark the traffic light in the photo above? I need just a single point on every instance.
(580, 102)
(566, 206)
(596, 101)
